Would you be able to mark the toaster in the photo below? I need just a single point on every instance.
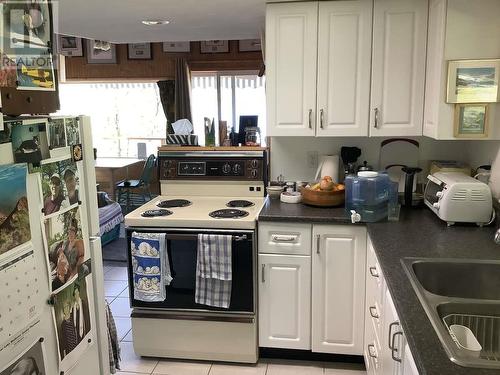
(457, 198)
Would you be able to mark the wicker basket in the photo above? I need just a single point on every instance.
(323, 198)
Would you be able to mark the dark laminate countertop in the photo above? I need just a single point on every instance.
(418, 233)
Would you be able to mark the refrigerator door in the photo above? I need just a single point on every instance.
(89, 175)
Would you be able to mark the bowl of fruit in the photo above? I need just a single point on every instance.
(325, 193)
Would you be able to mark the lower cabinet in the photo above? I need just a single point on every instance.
(311, 294)
(285, 301)
(385, 348)
(338, 287)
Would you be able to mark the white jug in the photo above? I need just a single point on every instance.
(328, 166)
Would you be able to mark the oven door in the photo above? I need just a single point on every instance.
(182, 248)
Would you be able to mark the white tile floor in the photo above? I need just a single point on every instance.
(116, 291)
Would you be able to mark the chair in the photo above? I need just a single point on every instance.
(130, 191)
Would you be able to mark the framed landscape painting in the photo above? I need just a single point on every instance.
(473, 81)
(471, 120)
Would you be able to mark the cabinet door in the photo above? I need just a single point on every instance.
(285, 301)
(344, 61)
(291, 53)
(339, 258)
(398, 67)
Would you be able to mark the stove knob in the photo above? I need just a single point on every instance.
(253, 173)
(226, 168)
(254, 163)
(237, 169)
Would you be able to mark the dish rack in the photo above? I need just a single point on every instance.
(485, 328)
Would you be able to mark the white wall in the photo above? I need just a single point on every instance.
(289, 154)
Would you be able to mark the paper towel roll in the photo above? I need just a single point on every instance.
(329, 166)
(495, 177)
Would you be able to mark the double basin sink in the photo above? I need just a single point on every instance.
(464, 293)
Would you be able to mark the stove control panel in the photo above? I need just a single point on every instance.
(244, 169)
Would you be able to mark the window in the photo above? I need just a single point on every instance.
(123, 115)
(227, 96)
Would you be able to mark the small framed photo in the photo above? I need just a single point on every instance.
(176, 46)
(471, 120)
(473, 81)
(248, 45)
(100, 52)
(214, 46)
(70, 46)
(139, 51)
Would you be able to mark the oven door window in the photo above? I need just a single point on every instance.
(182, 251)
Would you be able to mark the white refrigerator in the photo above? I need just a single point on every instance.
(52, 314)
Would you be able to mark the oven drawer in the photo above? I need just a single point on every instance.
(285, 238)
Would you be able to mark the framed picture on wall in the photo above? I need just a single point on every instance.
(70, 45)
(471, 120)
(100, 52)
(139, 51)
(214, 46)
(176, 46)
(473, 81)
(248, 45)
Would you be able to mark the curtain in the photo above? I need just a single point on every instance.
(182, 90)
(167, 97)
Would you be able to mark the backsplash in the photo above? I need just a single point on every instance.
(289, 155)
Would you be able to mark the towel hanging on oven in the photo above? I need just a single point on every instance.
(214, 270)
(151, 268)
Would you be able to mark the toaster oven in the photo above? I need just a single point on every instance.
(457, 198)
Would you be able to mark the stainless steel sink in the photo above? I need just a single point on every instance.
(465, 292)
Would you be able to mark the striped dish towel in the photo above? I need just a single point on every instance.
(214, 270)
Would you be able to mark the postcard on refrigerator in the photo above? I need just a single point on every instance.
(14, 215)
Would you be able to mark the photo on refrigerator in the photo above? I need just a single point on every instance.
(31, 362)
(14, 214)
(28, 143)
(56, 133)
(72, 131)
(65, 246)
(60, 185)
(72, 317)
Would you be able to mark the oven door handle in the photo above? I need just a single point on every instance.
(206, 318)
(180, 236)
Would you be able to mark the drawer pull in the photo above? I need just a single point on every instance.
(284, 238)
(263, 274)
(318, 243)
(374, 272)
(391, 337)
(373, 312)
(394, 350)
(371, 351)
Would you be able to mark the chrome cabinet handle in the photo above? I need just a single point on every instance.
(373, 312)
(321, 117)
(371, 351)
(310, 118)
(318, 243)
(281, 238)
(263, 273)
(391, 336)
(394, 350)
(373, 272)
(376, 118)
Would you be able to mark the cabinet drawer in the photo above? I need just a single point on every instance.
(285, 238)
(374, 277)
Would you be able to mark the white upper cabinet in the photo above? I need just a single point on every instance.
(344, 58)
(338, 288)
(398, 67)
(291, 53)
